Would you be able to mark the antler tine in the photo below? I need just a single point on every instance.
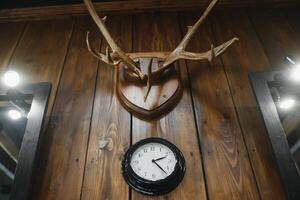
(180, 53)
(210, 54)
(91, 50)
(192, 30)
(116, 51)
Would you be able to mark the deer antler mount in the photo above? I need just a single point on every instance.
(148, 84)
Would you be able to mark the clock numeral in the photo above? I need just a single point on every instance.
(139, 169)
(140, 154)
(136, 162)
(145, 150)
(160, 149)
(168, 167)
(170, 160)
(145, 173)
(152, 148)
(153, 175)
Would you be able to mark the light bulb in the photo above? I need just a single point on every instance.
(295, 73)
(286, 103)
(11, 78)
(14, 114)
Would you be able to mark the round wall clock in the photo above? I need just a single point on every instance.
(153, 166)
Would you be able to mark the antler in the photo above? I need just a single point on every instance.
(114, 55)
(180, 53)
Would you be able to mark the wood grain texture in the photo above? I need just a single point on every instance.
(74, 165)
(161, 33)
(9, 36)
(129, 6)
(293, 16)
(276, 35)
(68, 131)
(110, 129)
(227, 167)
(248, 55)
(40, 63)
(164, 94)
(41, 52)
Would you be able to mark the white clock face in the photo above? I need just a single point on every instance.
(153, 161)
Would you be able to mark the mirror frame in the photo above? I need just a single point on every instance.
(286, 165)
(40, 93)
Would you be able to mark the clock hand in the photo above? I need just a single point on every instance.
(159, 166)
(160, 158)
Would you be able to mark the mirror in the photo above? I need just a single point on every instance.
(22, 111)
(286, 97)
(278, 99)
(13, 120)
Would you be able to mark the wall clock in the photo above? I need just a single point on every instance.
(153, 166)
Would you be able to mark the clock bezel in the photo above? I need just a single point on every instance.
(148, 187)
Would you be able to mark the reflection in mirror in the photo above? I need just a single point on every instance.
(287, 100)
(13, 120)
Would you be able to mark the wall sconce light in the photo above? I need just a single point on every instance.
(11, 79)
(283, 101)
(295, 70)
(14, 114)
(286, 103)
(295, 73)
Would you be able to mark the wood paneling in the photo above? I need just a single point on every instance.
(216, 124)
(9, 37)
(277, 36)
(128, 6)
(110, 129)
(160, 32)
(226, 162)
(248, 55)
(41, 52)
(40, 63)
(69, 126)
(31, 3)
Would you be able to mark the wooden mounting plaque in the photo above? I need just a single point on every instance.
(163, 96)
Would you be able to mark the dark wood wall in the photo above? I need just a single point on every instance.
(30, 3)
(38, 9)
(217, 124)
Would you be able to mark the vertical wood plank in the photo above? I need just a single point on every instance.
(68, 131)
(248, 55)
(39, 57)
(110, 129)
(293, 16)
(160, 32)
(9, 36)
(277, 36)
(227, 167)
(41, 52)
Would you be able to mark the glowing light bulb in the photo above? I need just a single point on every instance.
(11, 78)
(14, 114)
(295, 73)
(286, 104)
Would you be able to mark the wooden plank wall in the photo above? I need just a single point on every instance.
(217, 124)
(126, 6)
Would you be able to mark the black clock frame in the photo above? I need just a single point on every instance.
(153, 188)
